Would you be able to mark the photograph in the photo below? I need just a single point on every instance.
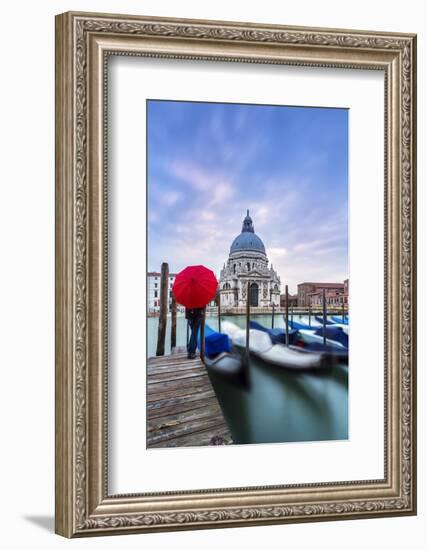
(248, 313)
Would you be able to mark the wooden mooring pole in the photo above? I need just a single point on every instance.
(272, 315)
(324, 317)
(287, 314)
(173, 323)
(219, 312)
(309, 314)
(343, 313)
(248, 316)
(163, 316)
(202, 336)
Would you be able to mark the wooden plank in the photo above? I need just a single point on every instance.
(177, 368)
(174, 392)
(181, 407)
(202, 438)
(196, 382)
(170, 361)
(161, 423)
(186, 429)
(168, 402)
(174, 376)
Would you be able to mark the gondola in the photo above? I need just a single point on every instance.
(261, 346)
(333, 350)
(296, 325)
(218, 357)
(277, 335)
(333, 334)
(302, 326)
(319, 319)
(339, 319)
(310, 339)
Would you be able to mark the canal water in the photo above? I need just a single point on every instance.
(279, 405)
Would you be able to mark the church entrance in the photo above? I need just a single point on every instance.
(254, 295)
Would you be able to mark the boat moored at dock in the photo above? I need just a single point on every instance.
(219, 358)
(261, 346)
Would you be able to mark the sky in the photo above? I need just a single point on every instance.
(210, 162)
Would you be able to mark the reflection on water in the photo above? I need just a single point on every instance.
(285, 406)
(280, 405)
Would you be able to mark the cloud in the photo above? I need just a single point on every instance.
(207, 215)
(221, 192)
(171, 197)
(191, 174)
(276, 252)
(308, 246)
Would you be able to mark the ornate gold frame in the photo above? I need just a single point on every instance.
(83, 42)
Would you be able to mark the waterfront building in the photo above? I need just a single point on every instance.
(153, 290)
(248, 262)
(292, 300)
(311, 294)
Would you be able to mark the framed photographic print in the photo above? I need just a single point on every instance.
(235, 274)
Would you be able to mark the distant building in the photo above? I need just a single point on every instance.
(292, 300)
(153, 299)
(311, 294)
(248, 262)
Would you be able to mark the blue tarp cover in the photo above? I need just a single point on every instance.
(338, 319)
(215, 342)
(334, 333)
(319, 319)
(298, 326)
(277, 335)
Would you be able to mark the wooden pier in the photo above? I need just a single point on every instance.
(182, 408)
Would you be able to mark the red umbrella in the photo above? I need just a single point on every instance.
(195, 286)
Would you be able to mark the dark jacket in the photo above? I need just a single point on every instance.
(194, 313)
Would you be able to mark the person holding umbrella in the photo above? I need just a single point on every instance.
(194, 287)
(194, 318)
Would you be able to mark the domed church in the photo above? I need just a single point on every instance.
(248, 261)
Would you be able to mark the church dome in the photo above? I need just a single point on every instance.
(247, 240)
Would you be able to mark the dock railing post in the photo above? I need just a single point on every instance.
(248, 315)
(163, 315)
(272, 315)
(287, 314)
(324, 317)
(202, 336)
(173, 323)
